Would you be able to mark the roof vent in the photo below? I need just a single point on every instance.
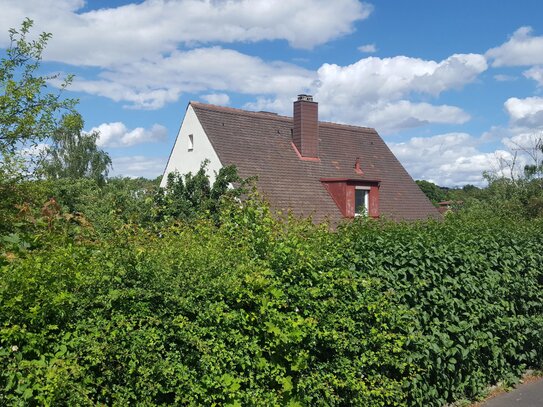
(357, 168)
(307, 98)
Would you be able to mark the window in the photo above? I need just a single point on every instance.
(361, 201)
(191, 142)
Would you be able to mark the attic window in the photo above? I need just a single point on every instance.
(191, 142)
(361, 200)
(354, 197)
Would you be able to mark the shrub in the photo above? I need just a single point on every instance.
(474, 291)
(250, 312)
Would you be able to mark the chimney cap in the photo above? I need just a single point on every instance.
(307, 98)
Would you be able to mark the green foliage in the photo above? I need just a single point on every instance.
(123, 293)
(245, 313)
(28, 112)
(432, 191)
(473, 288)
(521, 198)
(109, 206)
(256, 311)
(188, 196)
(74, 153)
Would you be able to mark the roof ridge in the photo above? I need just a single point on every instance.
(333, 124)
(272, 115)
(233, 110)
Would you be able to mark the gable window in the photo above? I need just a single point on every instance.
(361, 201)
(191, 142)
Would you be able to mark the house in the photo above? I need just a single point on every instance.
(326, 170)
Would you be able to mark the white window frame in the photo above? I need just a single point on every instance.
(366, 200)
(191, 142)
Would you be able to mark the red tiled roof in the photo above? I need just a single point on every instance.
(259, 143)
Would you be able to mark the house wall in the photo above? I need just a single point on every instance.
(183, 160)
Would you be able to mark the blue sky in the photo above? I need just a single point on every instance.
(454, 87)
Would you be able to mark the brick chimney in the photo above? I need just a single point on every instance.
(305, 134)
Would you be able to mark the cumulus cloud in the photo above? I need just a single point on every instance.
(399, 76)
(117, 135)
(390, 117)
(221, 99)
(452, 159)
(524, 141)
(521, 49)
(375, 91)
(138, 166)
(526, 112)
(87, 37)
(369, 48)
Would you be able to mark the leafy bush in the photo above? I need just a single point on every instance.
(191, 196)
(473, 288)
(251, 310)
(244, 313)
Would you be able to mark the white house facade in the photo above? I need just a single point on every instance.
(191, 148)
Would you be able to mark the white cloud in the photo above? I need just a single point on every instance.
(117, 135)
(390, 117)
(138, 95)
(526, 112)
(505, 78)
(138, 166)
(369, 48)
(399, 76)
(129, 33)
(535, 73)
(32, 152)
(221, 99)
(521, 49)
(523, 137)
(451, 159)
(374, 91)
(281, 105)
(527, 143)
(152, 84)
(144, 69)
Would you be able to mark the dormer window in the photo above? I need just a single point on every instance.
(354, 197)
(361, 200)
(191, 142)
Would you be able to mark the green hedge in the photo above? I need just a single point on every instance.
(474, 290)
(197, 315)
(261, 312)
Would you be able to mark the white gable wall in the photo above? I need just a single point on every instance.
(182, 160)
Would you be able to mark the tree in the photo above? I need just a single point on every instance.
(73, 153)
(189, 196)
(29, 113)
(432, 191)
